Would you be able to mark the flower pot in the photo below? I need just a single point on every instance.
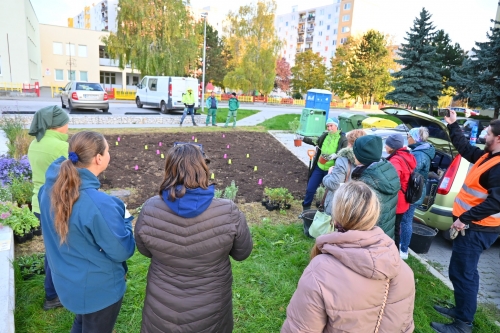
(322, 160)
(297, 142)
(37, 231)
(29, 235)
(287, 206)
(264, 202)
(20, 239)
(270, 206)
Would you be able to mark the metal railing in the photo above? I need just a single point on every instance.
(300, 40)
(11, 86)
(309, 39)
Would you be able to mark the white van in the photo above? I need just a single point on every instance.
(165, 92)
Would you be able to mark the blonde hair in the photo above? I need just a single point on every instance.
(353, 135)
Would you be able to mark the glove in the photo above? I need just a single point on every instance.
(454, 233)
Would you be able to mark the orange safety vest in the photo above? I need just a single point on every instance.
(472, 193)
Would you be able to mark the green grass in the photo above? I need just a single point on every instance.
(222, 114)
(279, 123)
(263, 285)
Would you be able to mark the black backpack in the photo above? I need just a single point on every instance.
(415, 186)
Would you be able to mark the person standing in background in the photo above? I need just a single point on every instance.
(50, 127)
(212, 105)
(234, 105)
(188, 100)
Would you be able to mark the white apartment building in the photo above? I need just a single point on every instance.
(19, 43)
(100, 17)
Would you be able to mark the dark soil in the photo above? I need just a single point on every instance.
(276, 166)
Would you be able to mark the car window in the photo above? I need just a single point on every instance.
(67, 86)
(152, 84)
(469, 124)
(88, 86)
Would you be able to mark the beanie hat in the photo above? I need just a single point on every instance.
(234, 94)
(333, 120)
(415, 134)
(45, 118)
(395, 141)
(368, 149)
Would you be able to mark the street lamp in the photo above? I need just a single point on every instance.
(204, 15)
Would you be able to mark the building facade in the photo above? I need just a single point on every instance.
(79, 54)
(19, 43)
(99, 17)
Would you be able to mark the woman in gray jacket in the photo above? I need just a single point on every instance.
(338, 173)
(189, 236)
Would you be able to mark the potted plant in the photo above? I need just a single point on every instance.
(323, 158)
(320, 193)
(294, 127)
(273, 200)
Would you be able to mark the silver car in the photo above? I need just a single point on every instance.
(84, 95)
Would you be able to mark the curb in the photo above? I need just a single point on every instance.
(432, 270)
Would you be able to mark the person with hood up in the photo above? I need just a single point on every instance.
(50, 128)
(404, 163)
(87, 235)
(380, 175)
(424, 153)
(327, 146)
(342, 170)
(189, 236)
(356, 281)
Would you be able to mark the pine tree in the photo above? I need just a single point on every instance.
(479, 77)
(418, 83)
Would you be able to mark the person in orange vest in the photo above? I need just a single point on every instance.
(476, 223)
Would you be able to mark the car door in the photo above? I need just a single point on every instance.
(142, 90)
(65, 93)
(153, 98)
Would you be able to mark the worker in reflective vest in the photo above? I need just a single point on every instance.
(476, 222)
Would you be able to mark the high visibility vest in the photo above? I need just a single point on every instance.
(472, 193)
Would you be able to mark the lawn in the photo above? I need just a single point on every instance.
(279, 123)
(263, 285)
(222, 114)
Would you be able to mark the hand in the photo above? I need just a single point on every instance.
(331, 169)
(332, 157)
(452, 118)
(456, 228)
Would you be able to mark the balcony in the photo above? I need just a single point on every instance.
(301, 31)
(298, 50)
(300, 40)
(309, 39)
(110, 63)
(311, 19)
(310, 29)
(302, 19)
(308, 49)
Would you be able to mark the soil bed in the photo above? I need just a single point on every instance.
(276, 166)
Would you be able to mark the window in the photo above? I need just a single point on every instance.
(320, 33)
(345, 29)
(347, 6)
(72, 75)
(346, 18)
(108, 78)
(286, 24)
(152, 84)
(337, 9)
(84, 76)
(322, 12)
(59, 75)
(88, 86)
(343, 40)
(318, 44)
(326, 48)
(334, 31)
(329, 16)
(334, 42)
(70, 49)
(328, 27)
(57, 48)
(102, 52)
(336, 20)
(135, 80)
(293, 18)
(320, 23)
(82, 51)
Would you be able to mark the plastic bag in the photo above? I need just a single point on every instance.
(321, 224)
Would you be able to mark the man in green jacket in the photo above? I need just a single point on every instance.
(380, 175)
(234, 105)
(188, 100)
(50, 127)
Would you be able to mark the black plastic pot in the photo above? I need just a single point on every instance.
(20, 239)
(269, 206)
(29, 235)
(264, 202)
(37, 231)
(287, 206)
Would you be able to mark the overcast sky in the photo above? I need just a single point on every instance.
(465, 21)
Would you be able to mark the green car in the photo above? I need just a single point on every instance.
(447, 172)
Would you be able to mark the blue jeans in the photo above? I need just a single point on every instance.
(101, 321)
(463, 270)
(50, 291)
(407, 228)
(312, 185)
(190, 111)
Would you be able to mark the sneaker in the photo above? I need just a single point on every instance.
(206, 124)
(457, 326)
(52, 304)
(447, 312)
(213, 125)
(403, 255)
(180, 124)
(194, 124)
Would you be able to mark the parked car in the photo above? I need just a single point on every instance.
(165, 92)
(466, 111)
(482, 136)
(470, 123)
(447, 172)
(84, 95)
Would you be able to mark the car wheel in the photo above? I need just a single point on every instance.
(163, 107)
(138, 103)
(62, 104)
(70, 106)
(105, 110)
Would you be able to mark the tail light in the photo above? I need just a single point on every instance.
(74, 96)
(170, 89)
(105, 96)
(449, 176)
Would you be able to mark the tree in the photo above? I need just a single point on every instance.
(254, 47)
(217, 57)
(309, 72)
(478, 79)
(283, 75)
(156, 37)
(339, 75)
(418, 83)
(448, 55)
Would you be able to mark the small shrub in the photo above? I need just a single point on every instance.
(21, 190)
(31, 265)
(13, 127)
(20, 219)
(231, 191)
(297, 95)
(218, 194)
(22, 144)
(320, 192)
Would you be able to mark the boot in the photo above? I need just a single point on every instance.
(447, 312)
(194, 124)
(52, 304)
(457, 326)
(214, 124)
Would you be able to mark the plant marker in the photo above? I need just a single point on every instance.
(223, 136)
(225, 155)
(192, 138)
(227, 146)
(116, 143)
(146, 147)
(260, 181)
(118, 139)
(255, 168)
(162, 156)
(136, 167)
(157, 152)
(212, 176)
(159, 144)
(248, 155)
(195, 139)
(229, 161)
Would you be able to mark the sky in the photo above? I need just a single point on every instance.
(465, 21)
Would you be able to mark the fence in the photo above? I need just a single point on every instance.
(10, 86)
(124, 94)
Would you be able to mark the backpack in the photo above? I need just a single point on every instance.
(415, 186)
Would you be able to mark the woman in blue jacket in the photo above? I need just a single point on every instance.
(87, 235)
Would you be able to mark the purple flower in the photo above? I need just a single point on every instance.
(5, 215)
(10, 167)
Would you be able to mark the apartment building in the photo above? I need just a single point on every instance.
(19, 42)
(79, 54)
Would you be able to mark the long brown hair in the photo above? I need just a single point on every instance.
(184, 167)
(356, 208)
(86, 145)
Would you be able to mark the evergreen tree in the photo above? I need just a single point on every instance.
(478, 79)
(450, 56)
(418, 83)
(217, 57)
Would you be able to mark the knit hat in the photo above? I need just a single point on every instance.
(234, 94)
(415, 134)
(395, 141)
(333, 120)
(45, 118)
(368, 149)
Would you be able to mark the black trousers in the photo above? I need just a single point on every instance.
(397, 230)
(101, 321)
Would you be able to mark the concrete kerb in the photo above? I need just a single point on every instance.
(432, 270)
(7, 287)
